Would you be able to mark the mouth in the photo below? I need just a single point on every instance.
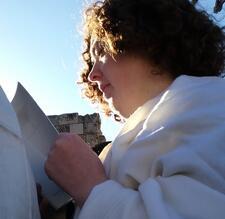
(103, 87)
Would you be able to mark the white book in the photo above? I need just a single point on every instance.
(39, 135)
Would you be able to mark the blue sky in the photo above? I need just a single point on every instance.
(40, 46)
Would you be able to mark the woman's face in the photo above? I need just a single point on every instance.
(126, 81)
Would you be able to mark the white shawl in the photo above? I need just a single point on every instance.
(168, 161)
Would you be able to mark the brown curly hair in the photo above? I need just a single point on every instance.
(172, 34)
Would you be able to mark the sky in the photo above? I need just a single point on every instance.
(40, 46)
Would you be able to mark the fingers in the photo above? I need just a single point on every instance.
(74, 166)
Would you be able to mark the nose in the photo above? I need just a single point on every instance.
(95, 73)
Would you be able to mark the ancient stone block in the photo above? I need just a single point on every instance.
(92, 140)
(63, 128)
(93, 118)
(69, 118)
(87, 127)
(77, 128)
(91, 128)
(80, 119)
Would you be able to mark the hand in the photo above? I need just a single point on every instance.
(74, 166)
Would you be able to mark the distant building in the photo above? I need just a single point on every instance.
(88, 127)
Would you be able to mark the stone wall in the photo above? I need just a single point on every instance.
(87, 127)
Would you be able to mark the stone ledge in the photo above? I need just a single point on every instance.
(88, 127)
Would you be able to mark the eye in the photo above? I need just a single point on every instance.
(98, 55)
(99, 51)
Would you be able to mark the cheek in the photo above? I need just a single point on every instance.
(125, 77)
(123, 86)
(117, 73)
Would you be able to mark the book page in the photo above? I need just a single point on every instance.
(39, 135)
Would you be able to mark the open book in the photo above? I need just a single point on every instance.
(39, 135)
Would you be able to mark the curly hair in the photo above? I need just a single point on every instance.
(172, 34)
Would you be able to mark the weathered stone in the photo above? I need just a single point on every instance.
(68, 118)
(92, 139)
(93, 118)
(87, 127)
(77, 128)
(80, 119)
(91, 128)
(63, 128)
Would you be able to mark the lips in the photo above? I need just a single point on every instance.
(103, 87)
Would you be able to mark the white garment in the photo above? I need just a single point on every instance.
(18, 198)
(168, 161)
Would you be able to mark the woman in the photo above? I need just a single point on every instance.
(154, 64)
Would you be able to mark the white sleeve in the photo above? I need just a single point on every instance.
(175, 197)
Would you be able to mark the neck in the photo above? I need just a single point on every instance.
(159, 83)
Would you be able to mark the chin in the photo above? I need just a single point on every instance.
(112, 105)
(116, 108)
(107, 96)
